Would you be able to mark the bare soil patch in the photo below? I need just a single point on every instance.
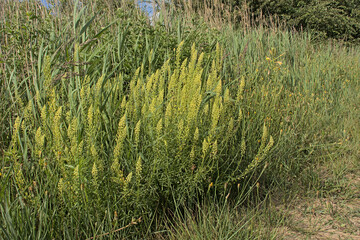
(336, 216)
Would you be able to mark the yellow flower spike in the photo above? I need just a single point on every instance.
(218, 88)
(28, 120)
(240, 90)
(212, 79)
(214, 150)
(90, 120)
(160, 97)
(120, 137)
(93, 151)
(123, 103)
(84, 95)
(178, 53)
(115, 167)
(52, 102)
(127, 181)
(243, 146)
(80, 148)
(192, 153)
(196, 135)
(264, 137)
(206, 109)
(152, 107)
(193, 110)
(94, 171)
(71, 131)
(57, 139)
(196, 83)
(205, 147)
(149, 84)
(77, 173)
(168, 114)
(199, 62)
(98, 86)
(39, 141)
(137, 132)
(240, 115)
(227, 95)
(159, 127)
(230, 127)
(215, 114)
(138, 169)
(17, 126)
(180, 128)
(192, 62)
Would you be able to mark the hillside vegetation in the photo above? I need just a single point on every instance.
(185, 126)
(336, 19)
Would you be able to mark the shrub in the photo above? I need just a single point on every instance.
(169, 135)
(326, 19)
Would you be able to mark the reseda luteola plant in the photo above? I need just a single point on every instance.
(168, 135)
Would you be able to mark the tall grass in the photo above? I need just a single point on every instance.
(113, 126)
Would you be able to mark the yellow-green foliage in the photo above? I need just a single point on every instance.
(171, 131)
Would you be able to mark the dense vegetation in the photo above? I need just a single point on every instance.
(116, 126)
(336, 19)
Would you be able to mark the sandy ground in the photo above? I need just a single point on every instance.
(335, 217)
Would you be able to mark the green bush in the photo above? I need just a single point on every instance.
(167, 138)
(326, 19)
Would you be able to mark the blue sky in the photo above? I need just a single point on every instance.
(146, 6)
(44, 2)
